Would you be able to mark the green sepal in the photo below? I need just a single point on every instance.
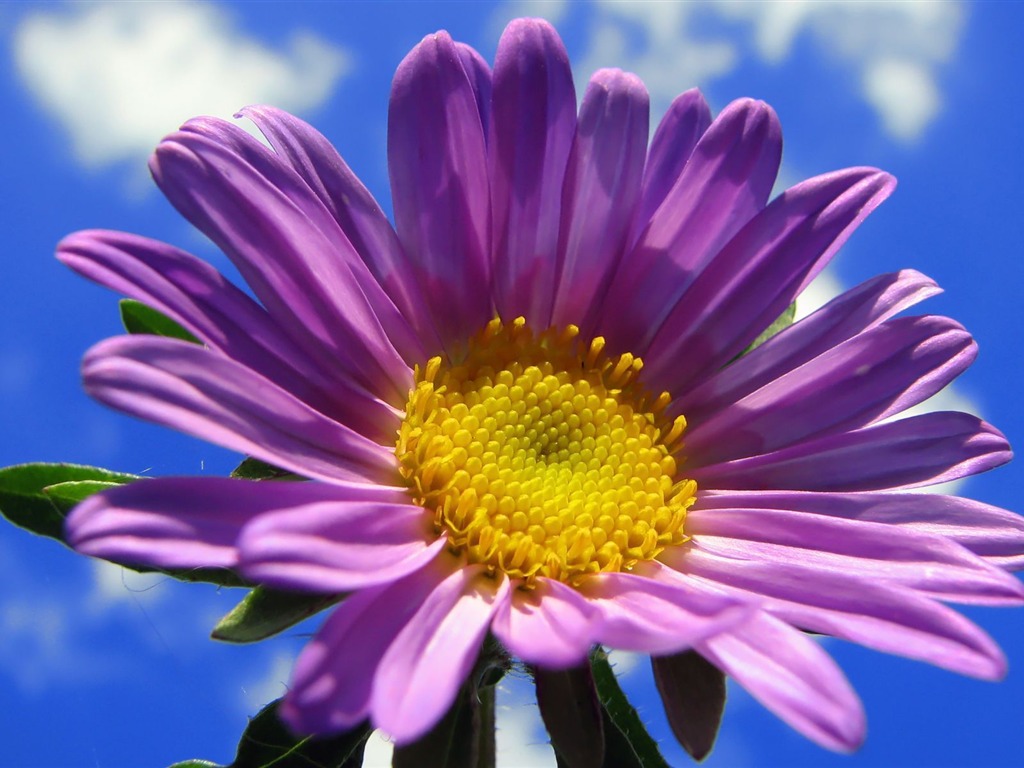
(140, 318)
(255, 469)
(693, 692)
(267, 742)
(572, 714)
(782, 322)
(265, 612)
(637, 747)
(37, 497)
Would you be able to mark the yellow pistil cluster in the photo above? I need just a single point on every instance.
(540, 455)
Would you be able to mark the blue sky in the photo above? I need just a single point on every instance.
(103, 668)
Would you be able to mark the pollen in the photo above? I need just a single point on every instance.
(538, 454)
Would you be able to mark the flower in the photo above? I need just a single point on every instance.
(525, 409)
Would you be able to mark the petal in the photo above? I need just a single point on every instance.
(860, 308)
(685, 121)
(430, 658)
(550, 625)
(185, 387)
(189, 522)
(792, 676)
(993, 533)
(337, 546)
(759, 273)
(602, 186)
(289, 250)
(882, 553)
(354, 209)
(917, 451)
(194, 294)
(725, 182)
(874, 375)
(438, 170)
(333, 679)
(639, 613)
(880, 616)
(479, 74)
(531, 132)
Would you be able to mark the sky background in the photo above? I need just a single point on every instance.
(100, 667)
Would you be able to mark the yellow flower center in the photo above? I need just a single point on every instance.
(540, 455)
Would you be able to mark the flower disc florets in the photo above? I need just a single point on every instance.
(542, 456)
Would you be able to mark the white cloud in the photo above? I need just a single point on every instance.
(119, 76)
(272, 685)
(113, 585)
(905, 95)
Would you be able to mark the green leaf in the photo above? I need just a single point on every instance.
(623, 716)
(782, 322)
(267, 743)
(254, 469)
(139, 318)
(264, 612)
(25, 501)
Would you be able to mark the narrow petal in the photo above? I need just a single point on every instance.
(532, 127)
(223, 317)
(186, 387)
(685, 121)
(995, 534)
(850, 313)
(333, 678)
(881, 616)
(792, 676)
(438, 169)
(863, 380)
(917, 451)
(641, 614)
(725, 182)
(759, 273)
(430, 658)
(602, 186)
(551, 625)
(337, 546)
(189, 522)
(876, 551)
(479, 74)
(288, 248)
(354, 209)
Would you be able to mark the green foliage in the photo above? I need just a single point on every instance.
(782, 322)
(140, 318)
(254, 469)
(265, 612)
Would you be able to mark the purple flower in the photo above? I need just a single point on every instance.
(486, 450)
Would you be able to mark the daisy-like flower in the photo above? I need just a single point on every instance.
(525, 408)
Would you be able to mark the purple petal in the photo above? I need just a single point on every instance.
(642, 614)
(191, 522)
(993, 533)
(860, 308)
(438, 169)
(759, 273)
(881, 616)
(337, 546)
(194, 294)
(185, 387)
(354, 209)
(792, 676)
(479, 74)
(289, 249)
(876, 374)
(876, 551)
(917, 451)
(334, 675)
(725, 182)
(532, 127)
(686, 120)
(550, 625)
(430, 658)
(602, 185)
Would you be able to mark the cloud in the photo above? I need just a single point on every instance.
(119, 76)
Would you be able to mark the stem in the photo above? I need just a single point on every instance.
(486, 757)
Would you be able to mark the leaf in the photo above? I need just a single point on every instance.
(25, 502)
(140, 318)
(267, 742)
(254, 469)
(624, 717)
(572, 714)
(64, 496)
(265, 612)
(782, 322)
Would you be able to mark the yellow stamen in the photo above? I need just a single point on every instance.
(540, 455)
